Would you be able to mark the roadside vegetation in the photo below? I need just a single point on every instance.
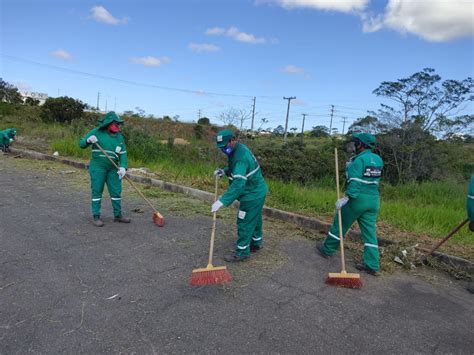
(427, 164)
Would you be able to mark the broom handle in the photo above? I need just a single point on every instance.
(214, 220)
(126, 177)
(441, 242)
(339, 218)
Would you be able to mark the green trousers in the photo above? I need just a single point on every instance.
(364, 209)
(99, 177)
(249, 226)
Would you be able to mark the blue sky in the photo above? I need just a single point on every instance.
(323, 52)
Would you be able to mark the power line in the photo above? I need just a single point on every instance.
(124, 81)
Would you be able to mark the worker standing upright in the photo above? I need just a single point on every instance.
(361, 204)
(101, 170)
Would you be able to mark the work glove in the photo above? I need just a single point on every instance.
(121, 173)
(341, 202)
(216, 205)
(92, 139)
(219, 172)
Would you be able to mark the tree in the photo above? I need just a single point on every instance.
(293, 130)
(233, 116)
(9, 93)
(424, 98)
(204, 121)
(62, 109)
(426, 107)
(319, 131)
(279, 131)
(262, 122)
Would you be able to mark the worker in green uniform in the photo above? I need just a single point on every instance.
(246, 185)
(361, 204)
(101, 170)
(7, 136)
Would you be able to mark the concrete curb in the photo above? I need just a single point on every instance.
(299, 220)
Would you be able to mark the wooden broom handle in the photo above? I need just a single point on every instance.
(214, 220)
(339, 217)
(126, 177)
(441, 242)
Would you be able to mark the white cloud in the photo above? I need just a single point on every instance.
(203, 47)
(292, 69)
(61, 54)
(434, 20)
(215, 31)
(329, 5)
(100, 14)
(236, 34)
(150, 61)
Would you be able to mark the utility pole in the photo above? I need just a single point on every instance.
(302, 126)
(344, 120)
(253, 113)
(285, 137)
(105, 104)
(98, 97)
(115, 104)
(330, 124)
(199, 114)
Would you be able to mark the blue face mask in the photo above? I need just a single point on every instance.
(227, 150)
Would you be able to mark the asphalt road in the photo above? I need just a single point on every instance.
(69, 287)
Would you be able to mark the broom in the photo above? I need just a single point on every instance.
(211, 275)
(342, 279)
(157, 217)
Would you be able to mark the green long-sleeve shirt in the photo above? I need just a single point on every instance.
(113, 144)
(246, 182)
(363, 174)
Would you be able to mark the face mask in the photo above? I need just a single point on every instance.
(350, 147)
(114, 128)
(227, 150)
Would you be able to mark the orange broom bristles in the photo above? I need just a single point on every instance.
(346, 282)
(211, 276)
(158, 219)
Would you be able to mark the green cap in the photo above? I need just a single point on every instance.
(12, 132)
(366, 138)
(109, 118)
(223, 137)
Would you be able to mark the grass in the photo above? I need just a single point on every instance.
(427, 209)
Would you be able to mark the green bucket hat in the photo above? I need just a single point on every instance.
(108, 119)
(366, 138)
(223, 137)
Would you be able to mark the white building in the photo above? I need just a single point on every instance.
(41, 97)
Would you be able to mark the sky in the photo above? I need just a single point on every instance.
(202, 58)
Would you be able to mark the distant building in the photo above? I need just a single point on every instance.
(41, 97)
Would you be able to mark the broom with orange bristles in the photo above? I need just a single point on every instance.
(157, 217)
(342, 279)
(211, 275)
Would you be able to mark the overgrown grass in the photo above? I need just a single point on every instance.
(428, 209)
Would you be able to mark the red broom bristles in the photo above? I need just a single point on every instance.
(211, 277)
(347, 282)
(158, 219)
